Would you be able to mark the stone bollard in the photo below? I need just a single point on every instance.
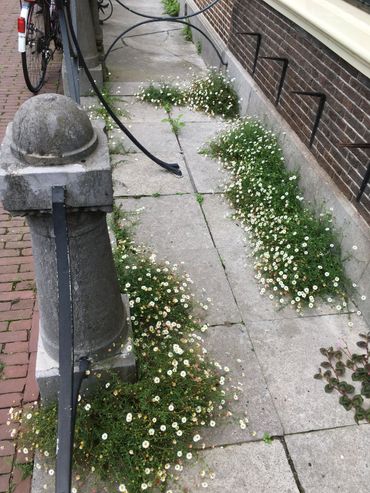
(52, 142)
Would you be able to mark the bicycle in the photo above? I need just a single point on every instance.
(38, 26)
(105, 10)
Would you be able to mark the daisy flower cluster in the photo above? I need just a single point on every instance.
(136, 436)
(163, 94)
(297, 256)
(212, 94)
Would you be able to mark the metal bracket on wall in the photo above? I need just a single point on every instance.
(258, 46)
(285, 63)
(319, 112)
(366, 179)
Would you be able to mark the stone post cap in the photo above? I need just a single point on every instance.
(51, 141)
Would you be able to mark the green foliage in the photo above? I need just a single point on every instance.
(171, 7)
(98, 110)
(199, 47)
(176, 123)
(26, 469)
(136, 436)
(164, 95)
(200, 198)
(333, 371)
(212, 94)
(187, 33)
(297, 255)
(267, 438)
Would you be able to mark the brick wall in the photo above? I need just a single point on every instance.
(312, 67)
(219, 16)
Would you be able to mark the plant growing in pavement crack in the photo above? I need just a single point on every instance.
(176, 123)
(297, 255)
(171, 7)
(200, 198)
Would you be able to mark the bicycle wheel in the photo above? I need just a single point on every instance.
(35, 58)
(105, 10)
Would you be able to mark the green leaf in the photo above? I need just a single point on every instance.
(323, 351)
(365, 390)
(345, 402)
(357, 400)
(359, 375)
(328, 388)
(318, 376)
(325, 364)
(362, 344)
(360, 415)
(350, 389)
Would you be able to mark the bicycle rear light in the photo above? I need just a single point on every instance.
(21, 34)
(21, 25)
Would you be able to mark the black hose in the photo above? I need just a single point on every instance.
(172, 167)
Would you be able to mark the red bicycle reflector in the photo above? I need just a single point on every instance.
(21, 25)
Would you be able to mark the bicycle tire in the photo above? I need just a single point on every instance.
(35, 58)
(105, 10)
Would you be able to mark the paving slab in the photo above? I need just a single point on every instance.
(156, 136)
(332, 460)
(253, 305)
(207, 174)
(174, 228)
(150, 56)
(196, 135)
(135, 175)
(224, 229)
(251, 405)
(168, 224)
(188, 115)
(248, 468)
(141, 112)
(210, 283)
(124, 88)
(288, 351)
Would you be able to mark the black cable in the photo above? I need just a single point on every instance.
(207, 7)
(173, 167)
(176, 21)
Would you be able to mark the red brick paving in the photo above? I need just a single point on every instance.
(18, 318)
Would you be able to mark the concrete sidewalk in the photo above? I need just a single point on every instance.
(272, 355)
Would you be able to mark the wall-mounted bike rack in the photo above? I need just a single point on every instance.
(174, 20)
(285, 64)
(366, 179)
(320, 109)
(258, 37)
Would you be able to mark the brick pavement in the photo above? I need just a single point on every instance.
(18, 314)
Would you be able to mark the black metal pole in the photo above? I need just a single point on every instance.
(65, 315)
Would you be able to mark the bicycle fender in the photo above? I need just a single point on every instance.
(22, 36)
